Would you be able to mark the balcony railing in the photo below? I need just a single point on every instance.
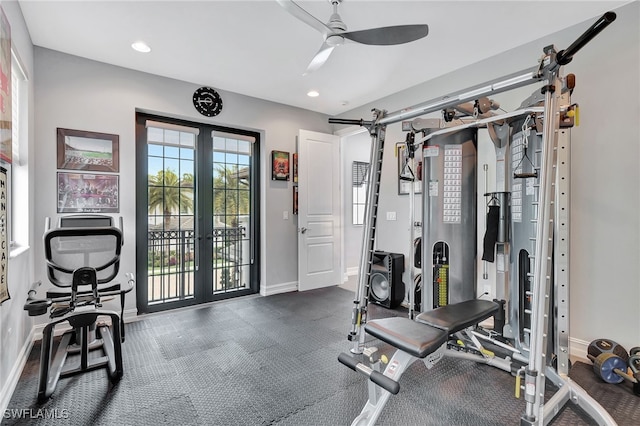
(172, 260)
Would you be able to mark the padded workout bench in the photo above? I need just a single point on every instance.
(425, 339)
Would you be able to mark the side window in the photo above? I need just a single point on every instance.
(18, 170)
(359, 184)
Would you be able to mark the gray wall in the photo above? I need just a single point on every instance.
(77, 93)
(15, 325)
(605, 200)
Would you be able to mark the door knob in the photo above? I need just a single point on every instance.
(303, 230)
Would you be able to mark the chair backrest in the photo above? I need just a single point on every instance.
(83, 241)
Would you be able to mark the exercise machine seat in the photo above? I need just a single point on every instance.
(407, 335)
(458, 316)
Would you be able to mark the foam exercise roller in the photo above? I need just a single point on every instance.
(602, 346)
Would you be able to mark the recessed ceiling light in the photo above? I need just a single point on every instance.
(313, 94)
(141, 46)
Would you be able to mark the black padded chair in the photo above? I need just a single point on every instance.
(83, 259)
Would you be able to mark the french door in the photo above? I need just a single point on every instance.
(197, 212)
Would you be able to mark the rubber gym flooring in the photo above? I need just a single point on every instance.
(273, 361)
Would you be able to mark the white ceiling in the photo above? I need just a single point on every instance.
(256, 48)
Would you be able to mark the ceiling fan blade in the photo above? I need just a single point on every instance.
(320, 58)
(387, 36)
(304, 16)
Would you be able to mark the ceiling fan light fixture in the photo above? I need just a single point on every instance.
(141, 46)
(335, 40)
(313, 93)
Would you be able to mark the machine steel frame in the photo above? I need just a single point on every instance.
(549, 210)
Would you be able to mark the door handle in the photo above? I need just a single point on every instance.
(303, 230)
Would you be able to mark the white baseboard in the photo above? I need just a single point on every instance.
(131, 315)
(16, 372)
(353, 271)
(279, 288)
(578, 348)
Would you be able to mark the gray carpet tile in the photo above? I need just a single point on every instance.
(273, 361)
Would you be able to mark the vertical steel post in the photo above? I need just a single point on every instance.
(535, 374)
(359, 314)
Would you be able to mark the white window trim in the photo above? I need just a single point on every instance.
(19, 232)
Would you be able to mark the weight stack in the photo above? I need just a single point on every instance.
(449, 219)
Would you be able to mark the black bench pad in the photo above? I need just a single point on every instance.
(458, 316)
(407, 335)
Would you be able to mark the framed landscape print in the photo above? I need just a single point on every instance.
(90, 151)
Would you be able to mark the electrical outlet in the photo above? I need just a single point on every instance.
(285, 215)
(487, 289)
(391, 215)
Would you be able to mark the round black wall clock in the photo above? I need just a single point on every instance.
(207, 101)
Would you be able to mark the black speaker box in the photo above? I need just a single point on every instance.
(385, 282)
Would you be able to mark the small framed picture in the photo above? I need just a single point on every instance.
(295, 200)
(280, 165)
(295, 167)
(87, 193)
(90, 151)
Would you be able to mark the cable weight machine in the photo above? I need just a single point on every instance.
(543, 270)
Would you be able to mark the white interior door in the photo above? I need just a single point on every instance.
(319, 210)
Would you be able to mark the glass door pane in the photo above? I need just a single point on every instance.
(231, 219)
(171, 206)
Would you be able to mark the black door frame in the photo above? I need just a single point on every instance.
(202, 196)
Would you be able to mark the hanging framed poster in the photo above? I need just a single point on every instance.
(90, 151)
(4, 255)
(295, 200)
(279, 165)
(295, 167)
(87, 193)
(5, 89)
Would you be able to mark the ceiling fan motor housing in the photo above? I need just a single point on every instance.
(336, 24)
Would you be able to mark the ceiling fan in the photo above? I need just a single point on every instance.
(335, 32)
